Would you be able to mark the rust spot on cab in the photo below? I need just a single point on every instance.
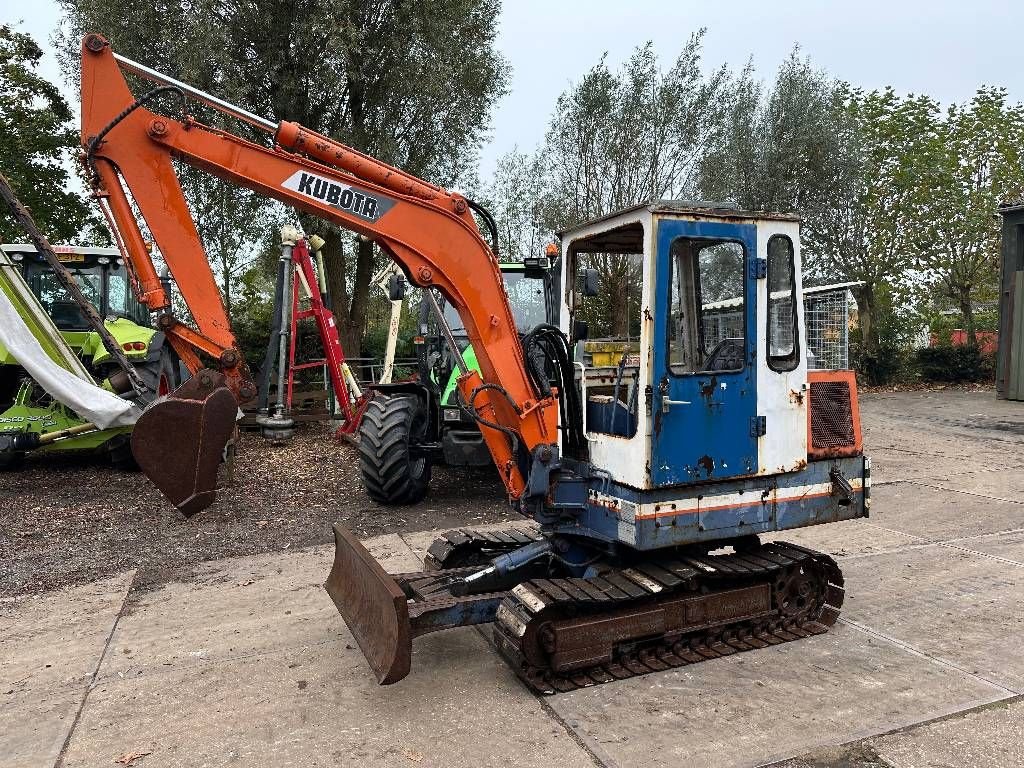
(796, 396)
(707, 388)
(707, 464)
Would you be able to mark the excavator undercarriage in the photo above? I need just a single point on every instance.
(560, 632)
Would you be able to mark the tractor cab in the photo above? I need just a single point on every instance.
(533, 300)
(101, 274)
(687, 323)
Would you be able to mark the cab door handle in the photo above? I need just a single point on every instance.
(667, 403)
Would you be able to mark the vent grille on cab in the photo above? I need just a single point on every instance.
(834, 428)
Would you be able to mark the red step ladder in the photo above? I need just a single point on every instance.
(351, 402)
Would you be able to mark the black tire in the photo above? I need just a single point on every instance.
(11, 460)
(161, 376)
(119, 451)
(391, 474)
(10, 382)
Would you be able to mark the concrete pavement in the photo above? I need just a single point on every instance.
(249, 664)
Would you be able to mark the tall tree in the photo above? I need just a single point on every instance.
(517, 197)
(411, 83)
(621, 138)
(36, 141)
(871, 231)
(783, 150)
(229, 221)
(975, 162)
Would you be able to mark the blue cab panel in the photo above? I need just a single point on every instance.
(669, 517)
(702, 419)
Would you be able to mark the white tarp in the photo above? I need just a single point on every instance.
(90, 402)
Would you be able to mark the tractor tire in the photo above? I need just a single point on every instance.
(390, 426)
(11, 460)
(119, 451)
(161, 376)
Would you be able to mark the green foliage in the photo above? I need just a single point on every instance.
(252, 313)
(987, 320)
(412, 84)
(784, 149)
(884, 364)
(895, 193)
(616, 139)
(36, 139)
(887, 359)
(964, 363)
(974, 161)
(626, 137)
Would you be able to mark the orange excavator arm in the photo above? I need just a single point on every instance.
(427, 230)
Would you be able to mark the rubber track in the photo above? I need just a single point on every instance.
(384, 451)
(670, 577)
(458, 548)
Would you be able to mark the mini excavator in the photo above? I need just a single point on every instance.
(649, 483)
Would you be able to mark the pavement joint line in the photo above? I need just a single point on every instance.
(95, 672)
(983, 535)
(922, 654)
(963, 430)
(966, 493)
(892, 728)
(910, 547)
(893, 530)
(967, 550)
(602, 761)
(950, 543)
(932, 455)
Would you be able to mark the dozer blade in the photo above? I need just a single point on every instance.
(373, 606)
(179, 440)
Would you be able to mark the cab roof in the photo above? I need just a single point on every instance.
(85, 250)
(706, 208)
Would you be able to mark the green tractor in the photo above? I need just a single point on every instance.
(103, 277)
(409, 426)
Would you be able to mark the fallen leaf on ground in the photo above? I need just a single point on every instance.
(130, 757)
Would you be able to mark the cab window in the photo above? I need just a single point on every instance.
(783, 351)
(707, 306)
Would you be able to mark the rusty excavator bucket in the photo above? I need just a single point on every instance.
(179, 440)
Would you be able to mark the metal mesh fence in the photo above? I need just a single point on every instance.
(722, 325)
(826, 317)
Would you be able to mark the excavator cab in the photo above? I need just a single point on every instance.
(717, 397)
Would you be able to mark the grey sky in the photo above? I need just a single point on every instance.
(945, 48)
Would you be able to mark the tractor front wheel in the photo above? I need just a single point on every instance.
(119, 451)
(11, 460)
(394, 472)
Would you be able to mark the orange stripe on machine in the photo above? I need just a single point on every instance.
(751, 498)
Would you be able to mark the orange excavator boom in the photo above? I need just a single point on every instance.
(428, 231)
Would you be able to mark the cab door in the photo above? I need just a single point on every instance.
(704, 398)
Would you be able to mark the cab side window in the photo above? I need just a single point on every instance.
(783, 347)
